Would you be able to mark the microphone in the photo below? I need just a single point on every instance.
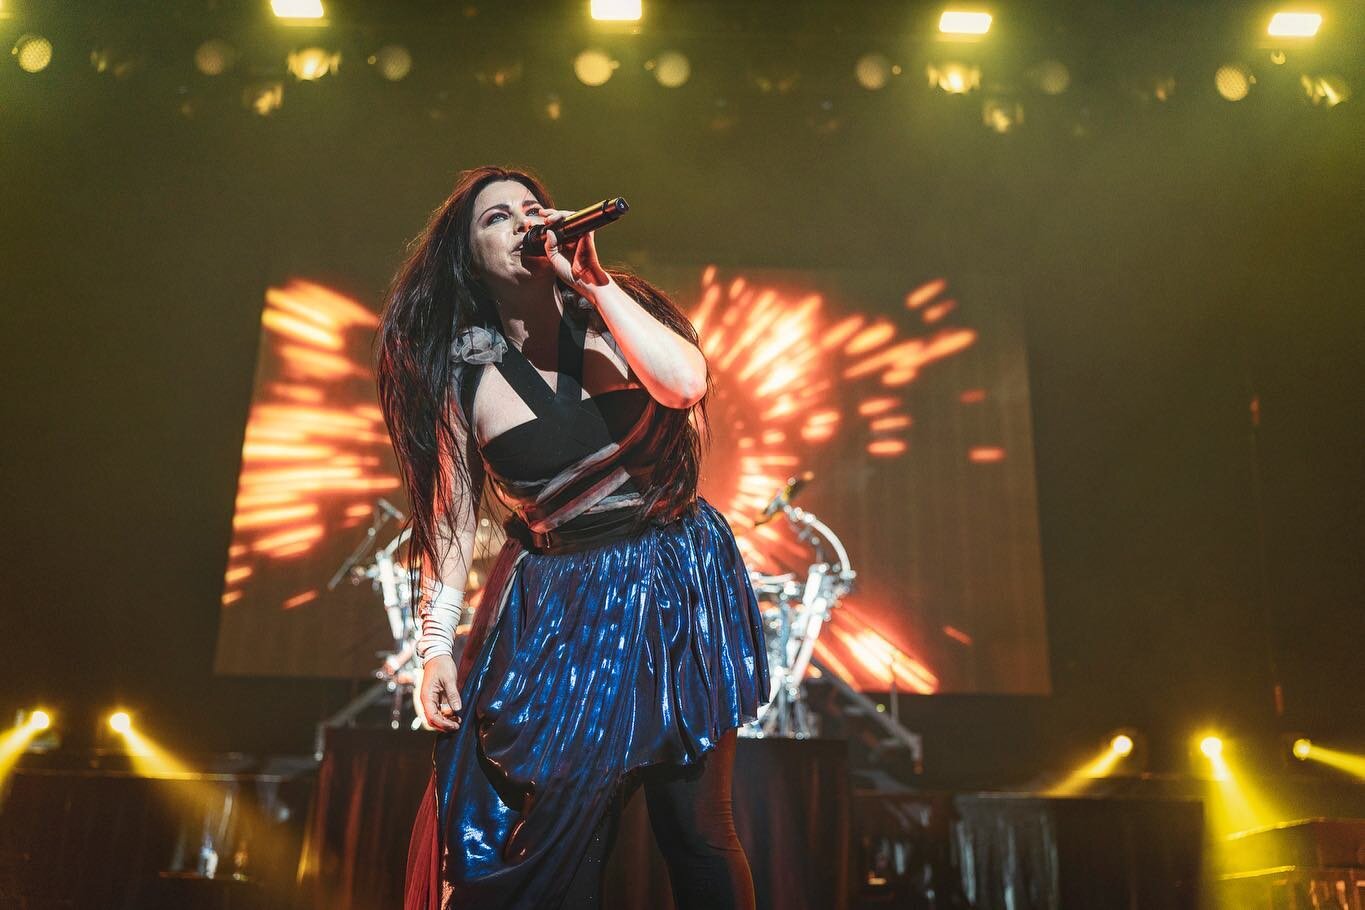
(784, 497)
(575, 225)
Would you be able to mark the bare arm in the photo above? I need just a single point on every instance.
(455, 529)
(670, 367)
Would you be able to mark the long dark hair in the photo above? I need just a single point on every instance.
(435, 294)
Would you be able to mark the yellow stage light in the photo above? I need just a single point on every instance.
(953, 78)
(297, 9)
(1294, 25)
(33, 53)
(40, 720)
(13, 742)
(594, 67)
(214, 57)
(263, 97)
(313, 63)
(873, 71)
(617, 10)
(672, 69)
(1051, 76)
(120, 722)
(1233, 82)
(1325, 91)
(1103, 763)
(1211, 746)
(393, 61)
(1302, 748)
(961, 22)
(1346, 762)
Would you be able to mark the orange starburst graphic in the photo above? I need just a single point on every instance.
(314, 454)
(793, 375)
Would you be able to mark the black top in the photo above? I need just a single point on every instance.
(575, 453)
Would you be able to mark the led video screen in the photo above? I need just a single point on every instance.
(906, 399)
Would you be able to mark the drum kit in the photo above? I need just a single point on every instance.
(794, 610)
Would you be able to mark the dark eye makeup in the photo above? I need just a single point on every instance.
(533, 210)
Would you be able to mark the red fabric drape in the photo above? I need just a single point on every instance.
(422, 888)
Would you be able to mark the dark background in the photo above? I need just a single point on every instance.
(1176, 261)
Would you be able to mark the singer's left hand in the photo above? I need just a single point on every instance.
(580, 268)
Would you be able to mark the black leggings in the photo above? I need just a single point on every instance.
(690, 812)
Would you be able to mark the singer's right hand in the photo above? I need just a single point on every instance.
(580, 269)
(440, 694)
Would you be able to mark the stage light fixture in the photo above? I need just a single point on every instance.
(964, 22)
(1001, 116)
(775, 77)
(617, 10)
(120, 722)
(1211, 747)
(594, 67)
(1114, 754)
(1162, 89)
(311, 63)
(953, 78)
(671, 69)
(392, 61)
(1233, 82)
(1051, 77)
(116, 61)
(297, 9)
(873, 71)
(499, 72)
(1325, 91)
(1350, 763)
(1294, 25)
(33, 53)
(263, 97)
(32, 732)
(214, 57)
(550, 108)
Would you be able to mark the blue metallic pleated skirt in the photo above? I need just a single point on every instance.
(584, 667)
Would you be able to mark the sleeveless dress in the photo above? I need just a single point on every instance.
(606, 640)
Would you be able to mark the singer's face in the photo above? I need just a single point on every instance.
(503, 212)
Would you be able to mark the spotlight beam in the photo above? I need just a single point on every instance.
(1346, 762)
(17, 738)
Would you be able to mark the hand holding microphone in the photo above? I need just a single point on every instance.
(568, 226)
(573, 231)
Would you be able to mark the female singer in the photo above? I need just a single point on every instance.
(618, 640)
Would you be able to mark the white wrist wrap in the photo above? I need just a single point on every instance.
(439, 614)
